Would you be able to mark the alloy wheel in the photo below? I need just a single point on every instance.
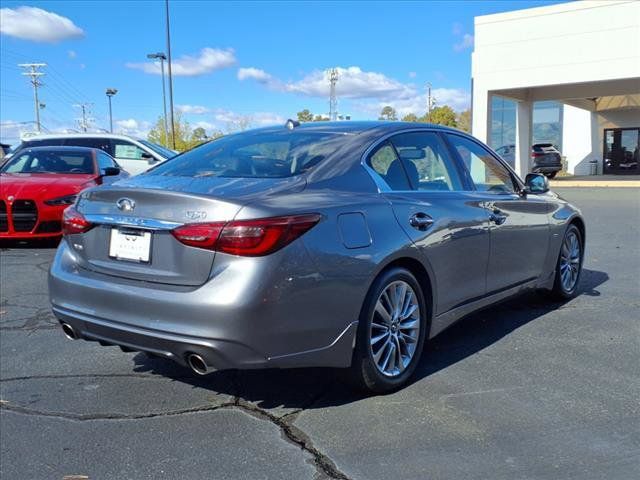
(570, 261)
(395, 328)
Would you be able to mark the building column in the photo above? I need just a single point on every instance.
(481, 114)
(524, 113)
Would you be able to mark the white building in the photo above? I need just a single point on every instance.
(584, 55)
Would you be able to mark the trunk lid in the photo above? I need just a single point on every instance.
(159, 205)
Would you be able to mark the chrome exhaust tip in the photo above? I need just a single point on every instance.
(69, 331)
(197, 364)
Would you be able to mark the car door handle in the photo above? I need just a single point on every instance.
(421, 221)
(497, 217)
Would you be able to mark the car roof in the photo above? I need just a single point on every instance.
(61, 148)
(49, 136)
(354, 127)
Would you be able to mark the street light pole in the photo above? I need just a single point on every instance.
(162, 57)
(173, 133)
(110, 93)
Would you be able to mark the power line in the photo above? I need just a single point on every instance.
(34, 74)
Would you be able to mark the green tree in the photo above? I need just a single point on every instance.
(388, 113)
(320, 118)
(464, 121)
(199, 135)
(305, 116)
(183, 133)
(443, 115)
(410, 117)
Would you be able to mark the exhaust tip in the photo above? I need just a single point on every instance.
(69, 331)
(197, 364)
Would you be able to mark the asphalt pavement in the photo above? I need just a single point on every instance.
(529, 389)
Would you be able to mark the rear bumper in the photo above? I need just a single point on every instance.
(268, 327)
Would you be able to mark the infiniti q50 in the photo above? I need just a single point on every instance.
(346, 244)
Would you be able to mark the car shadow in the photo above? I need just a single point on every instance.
(29, 244)
(323, 387)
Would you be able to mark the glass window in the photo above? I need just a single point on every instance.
(90, 142)
(487, 173)
(105, 161)
(49, 161)
(127, 150)
(386, 163)
(503, 122)
(255, 155)
(426, 162)
(165, 152)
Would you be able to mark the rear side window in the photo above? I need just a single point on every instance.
(388, 166)
(487, 173)
(255, 155)
(99, 143)
(49, 142)
(426, 162)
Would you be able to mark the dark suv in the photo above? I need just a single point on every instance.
(546, 158)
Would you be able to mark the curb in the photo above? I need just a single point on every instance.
(595, 183)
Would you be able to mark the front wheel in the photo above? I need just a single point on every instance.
(391, 332)
(569, 265)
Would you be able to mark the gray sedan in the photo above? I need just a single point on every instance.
(346, 244)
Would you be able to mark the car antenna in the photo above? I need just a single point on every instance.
(291, 124)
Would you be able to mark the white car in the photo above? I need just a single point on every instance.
(134, 155)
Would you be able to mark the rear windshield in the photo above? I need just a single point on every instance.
(254, 155)
(50, 161)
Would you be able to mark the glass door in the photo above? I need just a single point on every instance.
(621, 146)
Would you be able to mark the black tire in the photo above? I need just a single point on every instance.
(365, 375)
(559, 291)
(551, 174)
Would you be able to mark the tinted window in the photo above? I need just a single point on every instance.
(254, 155)
(165, 152)
(49, 142)
(426, 161)
(386, 164)
(487, 173)
(105, 161)
(99, 143)
(124, 149)
(51, 161)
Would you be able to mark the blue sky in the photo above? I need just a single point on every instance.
(235, 63)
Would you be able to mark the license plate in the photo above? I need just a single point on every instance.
(132, 245)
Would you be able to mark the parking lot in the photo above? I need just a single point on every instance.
(527, 389)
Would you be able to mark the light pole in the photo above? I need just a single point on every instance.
(162, 57)
(110, 93)
(173, 133)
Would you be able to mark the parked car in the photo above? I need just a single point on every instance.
(346, 244)
(133, 154)
(546, 158)
(37, 184)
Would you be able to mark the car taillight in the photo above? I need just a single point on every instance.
(249, 238)
(74, 222)
(537, 154)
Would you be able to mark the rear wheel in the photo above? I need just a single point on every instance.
(391, 332)
(569, 265)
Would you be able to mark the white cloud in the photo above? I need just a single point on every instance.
(464, 43)
(192, 109)
(457, 99)
(413, 74)
(133, 127)
(206, 61)
(72, 54)
(255, 74)
(38, 25)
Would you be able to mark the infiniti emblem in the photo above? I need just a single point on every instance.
(126, 204)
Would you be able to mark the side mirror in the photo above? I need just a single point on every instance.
(110, 172)
(148, 157)
(536, 183)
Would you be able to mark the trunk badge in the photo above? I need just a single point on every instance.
(126, 204)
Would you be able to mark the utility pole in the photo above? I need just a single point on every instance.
(84, 121)
(430, 102)
(34, 74)
(173, 130)
(110, 93)
(333, 99)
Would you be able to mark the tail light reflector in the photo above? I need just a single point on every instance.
(249, 238)
(74, 222)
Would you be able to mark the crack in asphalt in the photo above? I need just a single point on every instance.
(324, 466)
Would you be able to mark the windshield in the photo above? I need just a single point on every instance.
(254, 155)
(165, 152)
(50, 161)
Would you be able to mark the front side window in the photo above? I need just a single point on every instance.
(105, 161)
(127, 150)
(426, 162)
(487, 173)
(254, 155)
(51, 162)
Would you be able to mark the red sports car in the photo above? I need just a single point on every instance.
(37, 184)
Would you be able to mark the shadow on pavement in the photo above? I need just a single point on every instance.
(28, 244)
(323, 387)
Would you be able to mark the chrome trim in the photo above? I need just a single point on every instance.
(136, 222)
